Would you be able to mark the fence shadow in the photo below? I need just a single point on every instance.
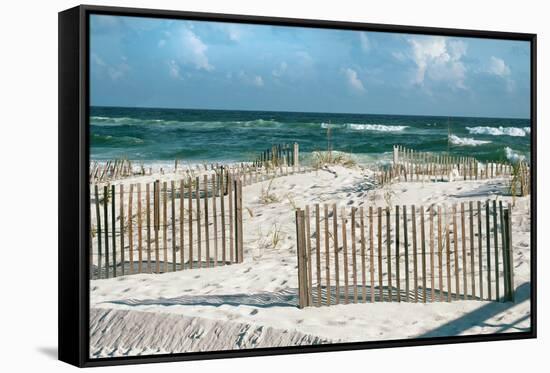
(96, 274)
(282, 298)
(385, 294)
(480, 315)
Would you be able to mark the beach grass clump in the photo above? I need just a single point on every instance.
(325, 158)
(276, 235)
(292, 201)
(266, 196)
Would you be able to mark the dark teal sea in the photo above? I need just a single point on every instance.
(148, 135)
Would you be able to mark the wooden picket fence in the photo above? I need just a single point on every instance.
(410, 165)
(280, 154)
(111, 170)
(165, 225)
(377, 254)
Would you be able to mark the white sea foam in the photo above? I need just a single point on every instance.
(500, 131)
(513, 156)
(375, 127)
(466, 141)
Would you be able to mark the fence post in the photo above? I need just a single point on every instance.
(237, 187)
(395, 154)
(302, 260)
(508, 248)
(98, 219)
(296, 155)
(106, 228)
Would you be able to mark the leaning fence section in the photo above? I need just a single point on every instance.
(280, 154)
(411, 165)
(165, 225)
(404, 253)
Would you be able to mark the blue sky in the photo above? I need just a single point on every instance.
(145, 62)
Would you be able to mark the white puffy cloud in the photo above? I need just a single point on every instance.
(498, 67)
(280, 70)
(114, 71)
(254, 80)
(174, 69)
(258, 81)
(439, 59)
(364, 41)
(353, 79)
(195, 50)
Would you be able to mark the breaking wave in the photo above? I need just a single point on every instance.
(513, 156)
(500, 131)
(466, 141)
(375, 127)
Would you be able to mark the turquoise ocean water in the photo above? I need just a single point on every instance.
(149, 135)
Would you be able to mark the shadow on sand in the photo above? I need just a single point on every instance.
(481, 315)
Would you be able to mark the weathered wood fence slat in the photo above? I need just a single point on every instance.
(406, 254)
(180, 226)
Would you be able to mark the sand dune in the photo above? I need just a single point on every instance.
(149, 313)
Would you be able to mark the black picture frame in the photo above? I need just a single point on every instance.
(73, 335)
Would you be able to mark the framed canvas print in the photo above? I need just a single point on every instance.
(235, 185)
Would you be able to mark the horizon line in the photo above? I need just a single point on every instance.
(310, 112)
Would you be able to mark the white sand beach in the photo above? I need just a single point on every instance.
(254, 304)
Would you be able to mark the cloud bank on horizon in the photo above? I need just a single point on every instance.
(147, 62)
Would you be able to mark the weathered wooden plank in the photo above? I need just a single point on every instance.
(336, 252)
(327, 257)
(190, 219)
(464, 256)
(510, 249)
(480, 250)
(388, 254)
(130, 229)
(215, 218)
(106, 228)
(432, 257)
(488, 234)
(113, 228)
(380, 270)
(406, 244)
(206, 222)
(198, 210)
(222, 215)
(139, 229)
(318, 251)
(363, 251)
(423, 250)
(495, 236)
(472, 254)
(231, 208)
(397, 257)
(448, 254)
(173, 218)
(354, 255)
(122, 230)
(371, 261)
(415, 253)
(457, 265)
(309, 264)
(299, 249)
(148, 223)
(181, 225)
(440, 251)
(165, 226)
(345, 255)
(505, 264)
